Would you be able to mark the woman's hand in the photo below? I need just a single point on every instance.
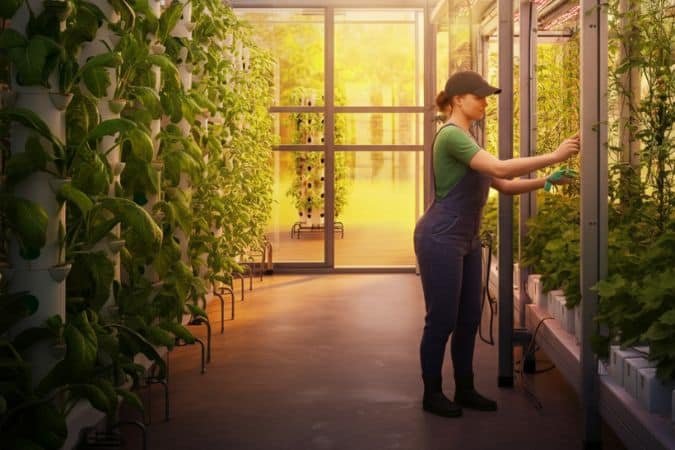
(569, 147)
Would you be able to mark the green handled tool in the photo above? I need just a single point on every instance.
(563, 172)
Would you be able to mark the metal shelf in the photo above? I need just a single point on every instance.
(637, 428)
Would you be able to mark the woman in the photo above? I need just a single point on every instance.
(446, 238)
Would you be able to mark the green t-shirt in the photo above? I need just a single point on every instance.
(453, 150)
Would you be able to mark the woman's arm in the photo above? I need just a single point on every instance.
(518, 186)
(485, 163)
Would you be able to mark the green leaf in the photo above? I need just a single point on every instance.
(94, 394)
(48, 426)
(196, 310)
(111, 394)
(160, 337)
(91, 277)
(149, 98)
(9, 7)
(141, 144)
(110, 127)
(109, 60)
(82, 345)
(169, 19)
(668, 318)
(131, 398)
(10, 38)
(97, 81)
(69, 193)
(179, 331)
(658, 331)
(14, 308)
(144, 233)
(169, 69)
(31, 121)
(27, 221)
(33, 62)
(141, 345)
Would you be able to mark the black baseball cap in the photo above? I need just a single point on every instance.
(469, 82)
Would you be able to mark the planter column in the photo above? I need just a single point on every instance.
(104, 40)
(183, 29)
(44, 276)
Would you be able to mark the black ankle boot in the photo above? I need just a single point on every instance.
(467, 397)
(435, 401)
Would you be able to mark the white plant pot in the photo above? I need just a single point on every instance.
(114, 246)
(157, 49)
(630, 373)
(60, 272)
(617, 358)
(117, 105)
(652, 393)
(60, 101)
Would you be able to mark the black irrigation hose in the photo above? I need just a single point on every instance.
(486, 243)
(530, 351)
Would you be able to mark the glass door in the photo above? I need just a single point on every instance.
(296, 38)
(379, 135)
(350, 118)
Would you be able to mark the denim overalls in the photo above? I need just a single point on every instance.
(448, 252)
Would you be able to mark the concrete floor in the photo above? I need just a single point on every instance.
(331, 362)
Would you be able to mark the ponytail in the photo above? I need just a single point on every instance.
(442, 101)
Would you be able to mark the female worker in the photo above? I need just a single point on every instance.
(446, 238)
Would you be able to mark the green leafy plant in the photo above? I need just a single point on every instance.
(636, 300)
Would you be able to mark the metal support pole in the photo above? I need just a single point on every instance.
(505, 377)
(630, 82)
(429, 97)
(329, 137)
(528, 130)
(594, 176)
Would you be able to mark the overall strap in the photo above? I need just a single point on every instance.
(433, 173)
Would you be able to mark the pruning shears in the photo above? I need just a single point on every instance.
(563, 172)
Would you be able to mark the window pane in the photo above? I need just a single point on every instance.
(378, 57)
(379, 129)
(295, 38)
(296, 226)
(380, 200)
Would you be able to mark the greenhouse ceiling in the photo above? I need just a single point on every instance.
(552, 13)
(333, 3)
